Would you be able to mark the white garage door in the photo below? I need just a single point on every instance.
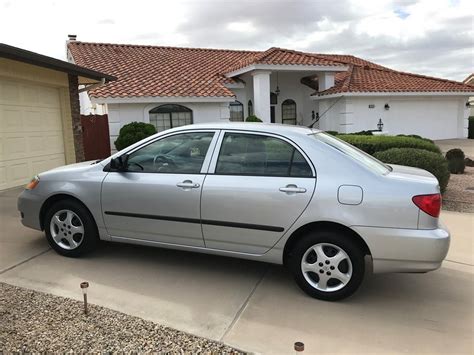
(31, 135)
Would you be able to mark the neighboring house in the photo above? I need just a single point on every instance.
(170, 86)
(40, 126)
(470, 81)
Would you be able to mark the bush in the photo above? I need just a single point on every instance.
(362, 133)
(132, 133)
(415, 136)
(373, 144)
(332, 133)
(456, 163)
(435, 163)
(253, 118)
(470, 129)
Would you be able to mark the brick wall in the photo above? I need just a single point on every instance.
(76, 117)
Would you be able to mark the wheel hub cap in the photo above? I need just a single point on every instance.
(67, 229)
(326, 267)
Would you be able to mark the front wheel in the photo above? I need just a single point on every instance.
(327, 265)
(70, 228)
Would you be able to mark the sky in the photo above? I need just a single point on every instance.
(430, 37)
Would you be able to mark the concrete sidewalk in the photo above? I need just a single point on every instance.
(253, 306)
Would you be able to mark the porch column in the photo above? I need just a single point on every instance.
(261, 95)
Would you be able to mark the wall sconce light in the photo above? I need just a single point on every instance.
(387, 107)
(468, 104)
(313, 115)
(380, 125)
(277, 90)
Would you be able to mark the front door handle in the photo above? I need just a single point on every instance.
(187, 184)
(293, 189)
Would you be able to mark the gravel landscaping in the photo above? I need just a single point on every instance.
(459, 195)
(36, 322)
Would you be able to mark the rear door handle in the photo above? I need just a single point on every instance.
(293, 189)
(188, 184)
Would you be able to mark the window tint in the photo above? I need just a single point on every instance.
(178, 154)
(248, 154)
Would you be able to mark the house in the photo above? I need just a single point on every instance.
(470, 81)
(40, 125)
(170, 86)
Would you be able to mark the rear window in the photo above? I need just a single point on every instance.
(362, 157)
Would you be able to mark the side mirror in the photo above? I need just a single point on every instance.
(120, 163)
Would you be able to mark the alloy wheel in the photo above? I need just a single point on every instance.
(67, 229)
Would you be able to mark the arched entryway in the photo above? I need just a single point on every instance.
(169, 116)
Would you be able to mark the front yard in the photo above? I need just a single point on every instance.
(459, 195)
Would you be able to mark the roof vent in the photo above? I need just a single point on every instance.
(72, 37)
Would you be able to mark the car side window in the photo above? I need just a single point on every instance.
(249, 154)
(178, 154)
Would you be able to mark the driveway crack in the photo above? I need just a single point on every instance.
(244, 305)
(24, 261)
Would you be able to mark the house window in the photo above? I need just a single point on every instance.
(288, 112)
(170, 115)
(250, 108)
(236, 111)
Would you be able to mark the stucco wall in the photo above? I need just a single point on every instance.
(121, 114)
(432, 117)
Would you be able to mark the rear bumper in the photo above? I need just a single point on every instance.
(29, 205)
(406, 250)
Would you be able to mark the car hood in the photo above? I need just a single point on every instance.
(73, 167)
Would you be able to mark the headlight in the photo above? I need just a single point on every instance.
(33, 183)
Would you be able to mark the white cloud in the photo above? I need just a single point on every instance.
(433, 37)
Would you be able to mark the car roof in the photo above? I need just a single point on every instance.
(251, 126)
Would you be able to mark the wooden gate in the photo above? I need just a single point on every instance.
(95, 136)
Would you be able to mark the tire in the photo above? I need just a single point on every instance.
(334, 265)
(73, 231)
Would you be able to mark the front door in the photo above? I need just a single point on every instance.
(257, 187)
(158, 197)
(272, 114)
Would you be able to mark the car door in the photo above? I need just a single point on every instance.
(158, 197)
(257, 187)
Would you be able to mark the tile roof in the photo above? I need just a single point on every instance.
(154, 71)
(361, 79)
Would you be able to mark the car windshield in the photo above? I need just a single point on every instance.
(365, 159)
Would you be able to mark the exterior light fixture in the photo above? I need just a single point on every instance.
(387, 107)
(84, 287)
(313, 115)
(380, 125)
(277, 90)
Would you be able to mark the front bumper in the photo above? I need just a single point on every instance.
(406, 250)
(29, 204)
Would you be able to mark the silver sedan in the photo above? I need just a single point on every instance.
(274, 193)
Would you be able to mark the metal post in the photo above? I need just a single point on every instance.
(84, 286)
(299, 347)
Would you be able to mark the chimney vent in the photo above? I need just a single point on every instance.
(72, 37)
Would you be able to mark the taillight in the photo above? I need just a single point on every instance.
(430, 204)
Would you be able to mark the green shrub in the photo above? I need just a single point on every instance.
(362, 133)
(132, 133)
(253, 118)
(332, 133)
(415, 136)
(435, 163)
(470, 130)
(456, 163)
(373, 144)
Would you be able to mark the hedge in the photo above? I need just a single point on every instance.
(470, 130)
(253, 118)
(132, 133)
(374, 144)
(418, 158)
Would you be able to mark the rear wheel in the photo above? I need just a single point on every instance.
(327, 265)
(70, 228)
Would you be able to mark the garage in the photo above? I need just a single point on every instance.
(39, 113)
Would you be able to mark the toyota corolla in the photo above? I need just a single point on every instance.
(273, 193)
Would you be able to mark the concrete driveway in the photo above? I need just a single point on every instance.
(467, 145)
(253, 306)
